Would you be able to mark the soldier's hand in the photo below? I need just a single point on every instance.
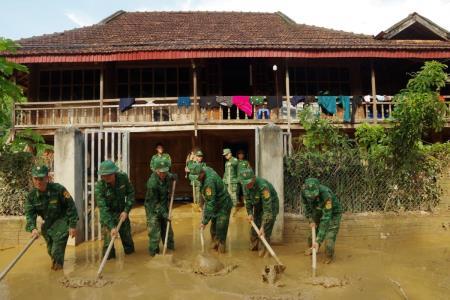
(202, 226)
(35, 233)
(123, 216)
(73, 232)
(313, 225)
(250, 218)
(315, 245)
(261, 232)
(113, 232)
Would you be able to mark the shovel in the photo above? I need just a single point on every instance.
(314, 253)
(280, 268)
(11, 265)
(97, 282)
(166, 238)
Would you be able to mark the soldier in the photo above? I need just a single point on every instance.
(159, 153)
(157, 205)
(196, 155)
(217, 204)
(53, 203)
(230, 176)
(261, 202)
(115, 197)
(323, 210)
(242, 165)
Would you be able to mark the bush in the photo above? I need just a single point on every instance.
(15, 182)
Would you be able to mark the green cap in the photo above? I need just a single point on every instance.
(39, 171)
(226, 151)
(162, 165)
(107, 167)
(246, 176)
(199, 153)
(194, 170)
(311, 188)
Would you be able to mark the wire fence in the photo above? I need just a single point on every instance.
(360, 186)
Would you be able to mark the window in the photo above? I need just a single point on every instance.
(311, 81)
(153, 82)
(69, 85)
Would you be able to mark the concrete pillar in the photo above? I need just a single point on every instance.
(69, 162)
(270, 167)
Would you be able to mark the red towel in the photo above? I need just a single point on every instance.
(243, 103)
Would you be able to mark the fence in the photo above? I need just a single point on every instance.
(360, 186)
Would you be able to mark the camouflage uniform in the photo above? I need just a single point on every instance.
(324, 209)
(112, 201)
(195, 183)
(243, 164)
(157, 208)
(230, 177)
(57, 208)
(217, 204)
(261, 202)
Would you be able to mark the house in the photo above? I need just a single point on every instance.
(78, 76)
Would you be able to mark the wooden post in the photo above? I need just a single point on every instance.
(194, 77)
(288, 99)
(374, 93)
(101, 98)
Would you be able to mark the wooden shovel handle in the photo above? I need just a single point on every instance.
(314, 251)
(263, 239)
(111, 244)
(16, 259)
(166, 237)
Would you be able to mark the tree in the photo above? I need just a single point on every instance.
(9, 91)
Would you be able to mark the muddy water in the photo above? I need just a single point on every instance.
(420, 265)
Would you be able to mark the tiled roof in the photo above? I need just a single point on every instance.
(159, 31)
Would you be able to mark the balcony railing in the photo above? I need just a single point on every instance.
(165, 111)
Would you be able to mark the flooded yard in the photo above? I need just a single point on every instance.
(376, 268)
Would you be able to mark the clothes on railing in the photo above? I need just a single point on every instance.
(184, 101)
(328, 104)
(257, 100)
(274, 102)
(297, 99)
(263, 113)
(243, 104)
(225, 101)
(208, 102)
(344, 101)
(126, 103)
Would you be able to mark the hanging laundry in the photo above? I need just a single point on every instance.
(274, 102)
(126, 103)
(263, 113)
(257, 100)
(344, 101)
(243, 103)
(184, 101)
(357, 101)
(208, 102)
(328, 104)
(310, 99)
(367, 98)
(297, 99)
(224, 100)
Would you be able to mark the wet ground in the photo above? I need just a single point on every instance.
(369, 269)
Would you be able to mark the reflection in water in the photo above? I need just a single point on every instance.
(369, 266)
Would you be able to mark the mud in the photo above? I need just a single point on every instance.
(329, 282)
(419, 263)
(81, 282)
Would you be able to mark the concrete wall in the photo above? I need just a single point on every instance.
(69, 162)
(271, 168)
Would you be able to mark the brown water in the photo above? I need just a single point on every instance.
(421, 266)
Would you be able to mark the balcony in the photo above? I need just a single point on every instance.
(163, 114)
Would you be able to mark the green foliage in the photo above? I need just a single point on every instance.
(418, 110)
(15, 175)
(383, 169)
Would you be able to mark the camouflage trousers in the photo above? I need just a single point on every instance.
(219, 226)
(125, 237)
(157, 226)
(56, 239)
(196, 193)
(268, 228)
(232, 189)
(330, 236)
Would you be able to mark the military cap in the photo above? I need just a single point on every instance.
(226, 151)
(194, 170)
(108, 167)
(311, 188)
(246, 176)
(199, 153)
(39, 171)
